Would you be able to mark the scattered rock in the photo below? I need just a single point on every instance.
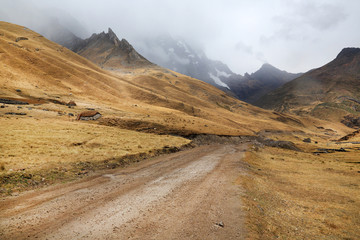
(352, 122)
(57, 102)
(18, 39)
(71, 104)
(329, 150)
(341, 150)
(347, 137)
(307, 140)
(2, 106)
(18, 90)
(83, 172)
(89, 115)
(13, 113)
(220, 224)
(15, 102)
(71, 114)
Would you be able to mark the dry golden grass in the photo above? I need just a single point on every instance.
(39, 150)
(300, 195)
(32, 144)
(46, 70)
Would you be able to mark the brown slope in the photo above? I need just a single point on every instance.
(335, 88)
(45, 70)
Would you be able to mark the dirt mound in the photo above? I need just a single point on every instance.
(199, 140)
(144, 126)
(349, 136)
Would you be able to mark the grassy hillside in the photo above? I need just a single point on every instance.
(45, 71)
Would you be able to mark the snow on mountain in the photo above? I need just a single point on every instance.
(177, 55)
(218, 81)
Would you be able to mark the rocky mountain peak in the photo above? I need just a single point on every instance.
(106, 50)
(267, 66)
(125, 45)
(112, 36)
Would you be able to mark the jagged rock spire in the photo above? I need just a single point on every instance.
(113, 37)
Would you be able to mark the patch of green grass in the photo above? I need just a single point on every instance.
(343, 106)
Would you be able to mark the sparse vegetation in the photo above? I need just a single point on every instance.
(299, 195)
(341, 106)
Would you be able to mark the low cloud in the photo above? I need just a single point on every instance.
(292, 35)
(240, 46)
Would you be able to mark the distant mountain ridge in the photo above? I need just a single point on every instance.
(177, 55)
(107, 51)
(251, 87)
(334, 87)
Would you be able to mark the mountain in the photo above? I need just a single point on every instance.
(107, 51)
(329, 91)
(36, 70)
(251, 87)
(176, 54)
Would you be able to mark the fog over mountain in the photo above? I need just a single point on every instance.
(291, 35)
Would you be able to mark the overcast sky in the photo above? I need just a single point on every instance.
(295, 36)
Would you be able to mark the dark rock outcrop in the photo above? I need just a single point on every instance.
(18, 39)
(351, 122)
(10, 101)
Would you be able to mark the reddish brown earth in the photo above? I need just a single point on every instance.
(184, 195)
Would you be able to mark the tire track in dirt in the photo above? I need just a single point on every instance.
(159, 199)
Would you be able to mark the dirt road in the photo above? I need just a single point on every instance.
(184, 195)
